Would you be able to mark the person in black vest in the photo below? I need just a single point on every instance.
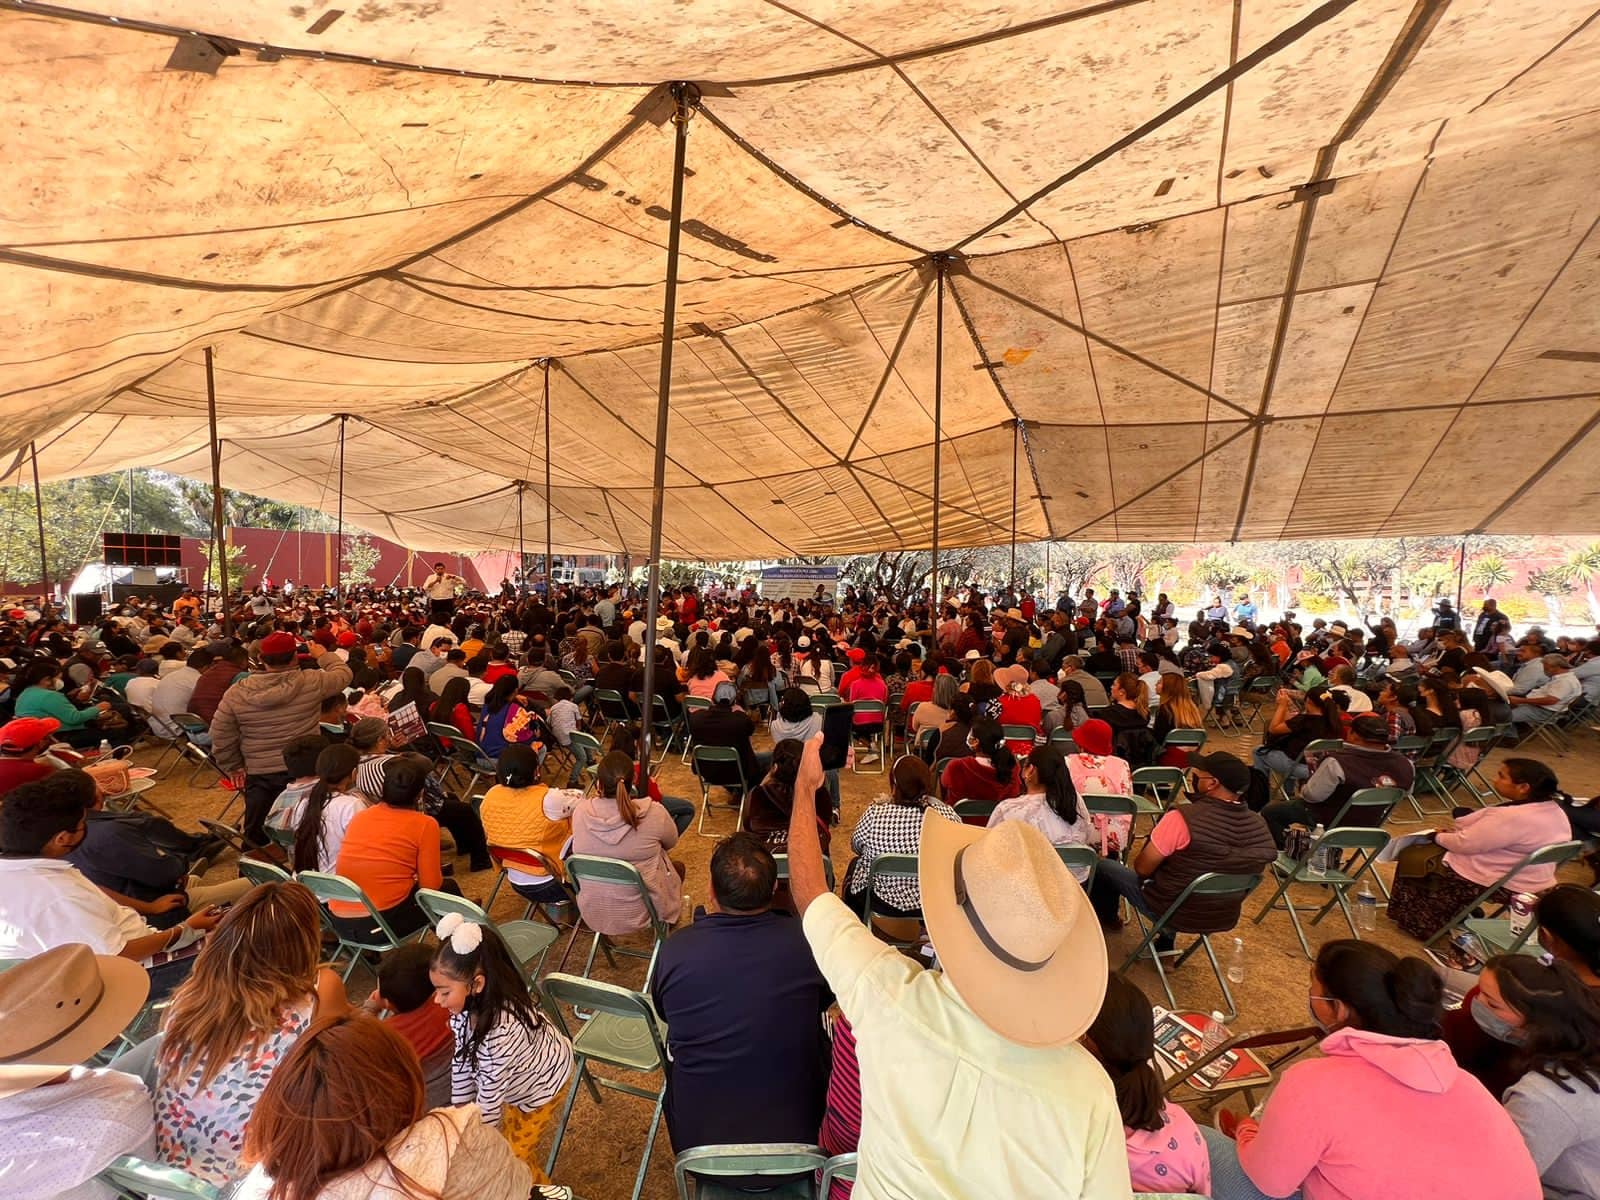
(1365, 761)
(1215, 831)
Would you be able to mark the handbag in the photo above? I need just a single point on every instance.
(1423, 861)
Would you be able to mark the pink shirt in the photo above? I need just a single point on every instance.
(866, 687)
(1385, 1116)
(1093, 775)
(703, 688)
(1173, 1158)
(1486, 844)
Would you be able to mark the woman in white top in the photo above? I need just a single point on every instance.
(321, 819)
(812, 670)
(1049, 803)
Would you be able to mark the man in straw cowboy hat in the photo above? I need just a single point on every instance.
(972, 1081)
(61, 1123)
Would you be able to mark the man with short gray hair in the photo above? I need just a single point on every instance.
(1551, 698)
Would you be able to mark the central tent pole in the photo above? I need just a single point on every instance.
(1016, 429)
(219, 552)
(684, 97)
(522, 550)
(38, 512)
(338, 551)
(941, 264)
(549, 578)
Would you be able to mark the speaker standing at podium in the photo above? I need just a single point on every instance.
(441, 591)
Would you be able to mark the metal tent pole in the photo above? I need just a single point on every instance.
(1461, 576)
(941, 264)
(549, 577)
(522, 550)
(338, 544)
(219, 550)
(1016, 427)
(684, 97)
(38, 512)
(130, 499)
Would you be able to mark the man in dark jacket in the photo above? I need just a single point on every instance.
(724, 725)
(1215, 832)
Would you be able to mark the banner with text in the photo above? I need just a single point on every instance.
(798, 583)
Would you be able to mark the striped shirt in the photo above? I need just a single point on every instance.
(841, 1121)
(516, 1066)
(888, 828)
(514, 640)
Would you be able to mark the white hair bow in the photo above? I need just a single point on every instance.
(463, 935)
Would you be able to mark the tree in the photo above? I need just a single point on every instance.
(1584, 566)
(1488, 573)
(237, 567)
(1552, 583)
(1221, 572)
(360, 558)
(1074, 565)
(1131, 563)
(76, 513)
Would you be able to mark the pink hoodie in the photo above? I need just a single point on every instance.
(1385, 1117)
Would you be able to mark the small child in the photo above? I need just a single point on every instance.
(320, 820)
(404, 990)
(1165, 1151)
(563, 720)
(509, 1060)
(300, 760)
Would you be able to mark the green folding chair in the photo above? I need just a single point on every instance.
(585, 870)
(665, 728)
(841, 1168)
(624, 1032)
(138, 1179)
(822, 700)
(774, 1161)
(611, 708)
(591, 744)
(1077, 858)
(379, 938)
(691, 705)
(938, 775)
(1020, 733)
(1317, 746)
(281, 837)
(1258, 697)
(259, 872)
(783, 869)
(1156, 789)
(877, 742)
(1192, 740)
(1106, 804)
(1555, 855)
(975, 812)
(1210, 884)
(1373, 807)
(719, 766)
(890, 866)
(925, 743)
(1061, 739)
(529, 941)
(1364, 843)
(1482, 739)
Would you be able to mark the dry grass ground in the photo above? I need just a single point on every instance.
(602, 1148)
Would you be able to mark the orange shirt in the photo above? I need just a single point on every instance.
(385, 851)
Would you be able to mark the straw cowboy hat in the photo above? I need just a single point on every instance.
(1014, 933)
(59, 1007)
(1498, 680)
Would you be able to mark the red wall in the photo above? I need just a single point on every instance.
(308, 559)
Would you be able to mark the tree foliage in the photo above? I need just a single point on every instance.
(360, 558)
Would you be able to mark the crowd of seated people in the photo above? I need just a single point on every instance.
(338, 721)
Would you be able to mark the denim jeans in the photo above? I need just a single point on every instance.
(681, 811)
(1114, 881)
(1276, 762)
(1228, 1180)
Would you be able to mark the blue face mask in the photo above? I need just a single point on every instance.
(1496, 1026)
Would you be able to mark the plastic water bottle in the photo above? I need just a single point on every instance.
(1236, 962)
(1316, 865)
(1216, 1032)
(1366, 909)
(105, 747)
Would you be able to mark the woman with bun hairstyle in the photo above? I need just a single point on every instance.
(1385, 1111)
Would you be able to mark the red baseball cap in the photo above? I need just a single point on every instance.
(348, 639)
(27, 731)
(279, 643)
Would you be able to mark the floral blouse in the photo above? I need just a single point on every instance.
(202, 1130)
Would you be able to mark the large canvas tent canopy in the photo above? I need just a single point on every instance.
(1203, 269)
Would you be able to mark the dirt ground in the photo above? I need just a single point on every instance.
(601, 1152)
